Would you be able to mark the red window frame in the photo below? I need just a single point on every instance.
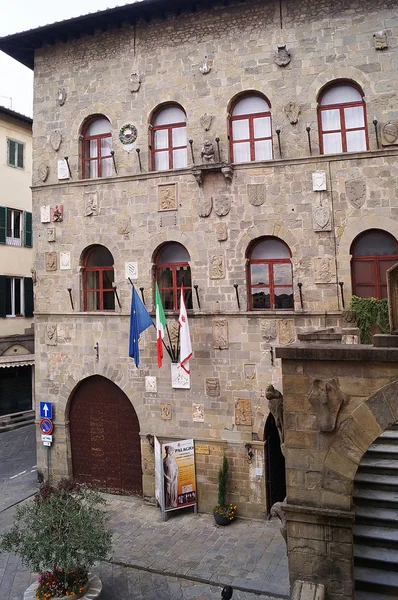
(376, 261)
(169, 128)
(343, 130)
(271, 286)
(87, 159)
(174, 288)
(251, 139)
(101, 289)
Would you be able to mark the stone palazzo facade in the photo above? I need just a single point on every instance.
(278, 193)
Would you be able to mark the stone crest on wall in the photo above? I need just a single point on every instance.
(135, 82)
(180, 379)
(249, 371)
(380, 40)
(355, 191)
(91, 204)
(51, 334)
(243, 411)
(205, 121)
(212, 386)
(256, 193)
(57, 213)
(167, 196)
(165, 411)
(321, 217)
(151, 384)
(61, 96)
(123, 224)
(51, 261)
(326, 399)
(51, 234)
(217, 267)
(56, 139)
(292, 111)
(287, 332)
(43, 171)
(221, 232)
(282, 56)
(45, 213)
(220, 334)
(198, 413)
(268, 331)
(64, 261)
(319, 181)
(222, 205)
(205, 206)
(324, 269)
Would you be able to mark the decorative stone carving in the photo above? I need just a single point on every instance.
(128, 134)
(275, 405)
(349, 316)
(198, 413)
(256, 193)
(319, 181)
(43, 171)
(167, 197)
(165, 411)
(168, 219)
(349, 338)
(222, 205)
(91, 204)
(217, 267)
(243, 411)
(63, 169)
(220, 334)
(268, 331)
(380, 40)
(292, 111)
(321, 217)
(51, 234)
(123, 225)
(205, 121)
(208, 153)
(173, 331)
(151, 384)
(56, 140)
(389, 133)
(51, 261)
(135, 82)
(205, 206)
(212, 386)
(326, 399)
(45, 213)
(282, 57)
(287, 333)
(180, 379)
(57, 213)
(51, 334)
(221, 232)
(34, 276)
(204, 67)
(61, 97)
(131, 270)
(355, 191)
(249, 371)
(278, 510)
(324, 269)
(64, 261)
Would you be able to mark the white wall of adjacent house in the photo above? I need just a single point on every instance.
(16, 259)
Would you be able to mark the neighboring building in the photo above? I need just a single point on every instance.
(16, 262)
(266, 247)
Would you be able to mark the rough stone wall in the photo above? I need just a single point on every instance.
(240, 43)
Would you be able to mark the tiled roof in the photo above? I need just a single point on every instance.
(15, 115)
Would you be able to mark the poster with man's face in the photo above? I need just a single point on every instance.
(179, 474)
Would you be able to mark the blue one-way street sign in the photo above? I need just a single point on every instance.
(46, 410)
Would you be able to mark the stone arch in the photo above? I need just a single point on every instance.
(268, 229)
(171, 235)
(354, 436)
(334, 74)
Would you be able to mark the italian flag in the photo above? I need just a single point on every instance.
(160, 326)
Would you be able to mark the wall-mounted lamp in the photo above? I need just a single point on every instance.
(218, 148)
(151, 441)
(96, 348)
(191, 145)
(116, 294)
(250, 453)
(278, 133)
(375, 123)
(70, 297)
(237, 294)
(300, 285)
(196, 287)
(308, 130)
(139, 158)
(66, 159)
(341, 284)
(114, 160)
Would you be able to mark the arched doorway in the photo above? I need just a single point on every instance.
(275, 464)
(104, 435)
(376, 519)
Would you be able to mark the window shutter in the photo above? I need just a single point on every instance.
(3, 224)
(2, 295)
(28, 229)
(28, 296)
(20, 148)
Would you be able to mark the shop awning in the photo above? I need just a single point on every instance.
(18, 360)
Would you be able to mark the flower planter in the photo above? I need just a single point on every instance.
(221, 520)
(92, 592)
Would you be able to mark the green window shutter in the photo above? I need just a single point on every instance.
(20, 148)
(28, 296)
(2, 295)
(3, 224)
(11, 152)
(27, 229)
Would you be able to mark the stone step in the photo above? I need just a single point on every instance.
(388, 556)
(376, 495)
(361, 595)
(374, 479)
(382, 535)
(378, 448)
(390, 434)
(377, 462)
(384, 581)
(375, 513)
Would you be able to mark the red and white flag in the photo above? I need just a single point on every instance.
(185, 338)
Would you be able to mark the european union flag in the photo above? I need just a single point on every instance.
(139, 321)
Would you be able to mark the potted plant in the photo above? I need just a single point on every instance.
(60, 534)
(223, 513)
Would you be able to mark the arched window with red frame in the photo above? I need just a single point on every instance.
(98, 277)
(169, 139)
(342, 119)
(251, 129)
(97, 159)
(171, 271)
(373, 253)
(270, 276)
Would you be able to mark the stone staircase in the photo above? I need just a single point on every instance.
(376, 520)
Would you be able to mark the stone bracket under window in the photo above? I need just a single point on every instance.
(199, 171)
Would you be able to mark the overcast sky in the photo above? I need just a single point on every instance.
(16, 81)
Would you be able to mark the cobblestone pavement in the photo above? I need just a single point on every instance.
(18, 474)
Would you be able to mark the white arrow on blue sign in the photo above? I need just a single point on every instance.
(46, 410)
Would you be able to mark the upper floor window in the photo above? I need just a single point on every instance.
(373, 253)
(270, 278)
(250, 130)
(15, 154)
(16, 296)
(97, 159)
(98, 277)
(169, 139)
(172, 271)
(342, 120)
(15, 227)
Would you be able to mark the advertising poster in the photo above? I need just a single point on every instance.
(158, 473)
(179, 474)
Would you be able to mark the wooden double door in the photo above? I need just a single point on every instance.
(105, 439)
